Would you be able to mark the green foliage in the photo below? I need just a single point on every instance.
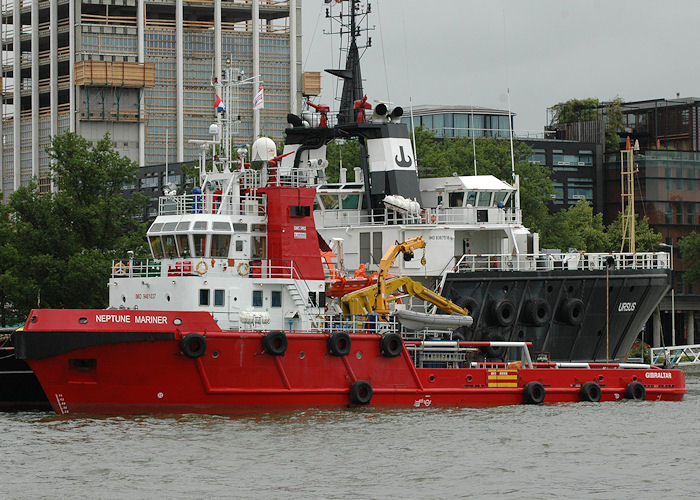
(690, 253)
(612, 137)
(349, 152)
(58, 247)
(577, 227)
(647, 240)
(575, 110)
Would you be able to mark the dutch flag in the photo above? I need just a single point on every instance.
(219, 105)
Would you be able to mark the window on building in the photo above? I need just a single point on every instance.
(257, 298)
(538, 156)
(461, 125)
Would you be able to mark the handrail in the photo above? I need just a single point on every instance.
(561, 261)
(678, 355)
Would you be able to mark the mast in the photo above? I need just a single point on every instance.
(351, 75)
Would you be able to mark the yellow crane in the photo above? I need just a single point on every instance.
(375, 298)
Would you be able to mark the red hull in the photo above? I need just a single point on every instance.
(235, 374)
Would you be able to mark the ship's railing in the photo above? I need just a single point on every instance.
(561, 261)
(677, 355)
(466, 215)
(199, 266)
(211, 203)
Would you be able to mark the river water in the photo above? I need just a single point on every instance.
(586, 450)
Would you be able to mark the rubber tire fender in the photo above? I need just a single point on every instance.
(275, 343)
(503, 312)
(391, 345)
(538, 311)
(471, 305)
(339, 344)
(497, 352)
(193, 345)
(534, 393)
(590, 391)
(360, 392)
(571, 311)
(635, 391)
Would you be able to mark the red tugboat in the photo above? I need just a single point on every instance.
(130, 362)
(127, 361)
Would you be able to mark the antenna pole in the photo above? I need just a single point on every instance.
(510, 131)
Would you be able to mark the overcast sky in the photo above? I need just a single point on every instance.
(462, 52)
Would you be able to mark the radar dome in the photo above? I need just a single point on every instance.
(264, 149)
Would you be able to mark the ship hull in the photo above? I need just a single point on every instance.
(563, 313)
(119, 371)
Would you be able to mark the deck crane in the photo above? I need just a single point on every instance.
(375, 298)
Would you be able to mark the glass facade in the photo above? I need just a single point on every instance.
(461, 124)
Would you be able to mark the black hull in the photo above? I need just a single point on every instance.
(19, 387)
(563, 313)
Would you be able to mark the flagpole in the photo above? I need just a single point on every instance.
(256, 64)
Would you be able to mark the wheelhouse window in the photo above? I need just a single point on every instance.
(220, 244)
(485, 199)
(204, 296)
(183, 245)
(350, 201)
(456, 199)
(156, 246)
(200, 245)
(219, 297)
(169, 246)
(259, 247)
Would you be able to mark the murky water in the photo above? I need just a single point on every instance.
(606, 450)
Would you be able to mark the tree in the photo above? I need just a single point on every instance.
(575, 110)
(576, 227)
(647, 240)
(690, 253)
(66, 240)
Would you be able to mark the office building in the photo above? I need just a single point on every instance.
(144, 71)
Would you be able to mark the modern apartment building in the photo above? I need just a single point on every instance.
(144, 71)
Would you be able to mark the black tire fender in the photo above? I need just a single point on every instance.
(571, 311)
(275, 343)
(534, 393)
(193, 345)
(339, 344)
(590, 391)
(503, 312)
(635, 391)
(538, 311)
(391, 345)
(360, 392)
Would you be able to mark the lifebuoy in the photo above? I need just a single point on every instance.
(534, 393)
(635, 391)
(119, 269)
(339, 344)
(193, 345)
(275, 343)
(391, 345)
(538, 311)
(202, 267)
(590, 391)
(503, 312)
(243, 268)
(571, 311)
(360, 392)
